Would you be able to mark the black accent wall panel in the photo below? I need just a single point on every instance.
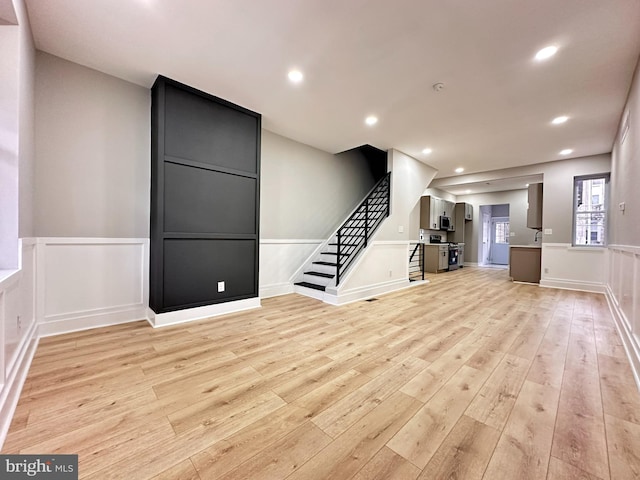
(189, 135)
(205, 178)
(214, 202)
(192, 270)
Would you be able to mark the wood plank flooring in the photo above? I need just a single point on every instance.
(467, 377)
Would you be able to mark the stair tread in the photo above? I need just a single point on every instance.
(330, 264)
(320, 274)
(310, 285)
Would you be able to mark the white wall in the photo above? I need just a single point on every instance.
(26, 124)
(409, 179)
(306, 192)
(9, 140)
(92, 171)
(623, 276)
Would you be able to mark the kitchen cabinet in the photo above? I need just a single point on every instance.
(524, 263)
(429, 208)
(468, 211)
(461, 222)
(534, 208)
(436, 258)
(432, 208)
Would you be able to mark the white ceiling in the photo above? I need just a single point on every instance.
(362, 57)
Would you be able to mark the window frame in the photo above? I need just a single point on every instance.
(604, 211)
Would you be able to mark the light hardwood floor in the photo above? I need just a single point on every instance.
(467, 377)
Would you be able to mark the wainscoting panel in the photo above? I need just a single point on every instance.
(90, 282)
(18, 332)
(623, 295)
(575, 268)
(280, 261)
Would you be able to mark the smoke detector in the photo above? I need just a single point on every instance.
(438, 87)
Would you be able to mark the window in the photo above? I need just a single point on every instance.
(502, 232)
(590, 210)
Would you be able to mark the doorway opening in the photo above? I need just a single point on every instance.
(493, 247)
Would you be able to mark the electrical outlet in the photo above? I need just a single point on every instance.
(512, 234)
(220, 287)
(18, 322)
(548, 231)
(546, 270)
(400, 229)
(390, 273)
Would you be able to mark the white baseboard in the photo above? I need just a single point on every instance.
(75, 322)
(309, 292)
(629, 341)
(573, 285)
(15, 381)
(368, 291)
(200, 313)
(276, 289)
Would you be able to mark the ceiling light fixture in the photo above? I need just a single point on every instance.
(295, 76)
(427, 151)
(459, 170)
(526, 185)
(566, 151)
(467, 191)
(559, 120)
(546, 52)
(371, 120)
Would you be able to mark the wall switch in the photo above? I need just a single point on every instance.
(220, 286)
(621, 206)
(512, 234)
(548, 231)
(390, 273)
(400, 229)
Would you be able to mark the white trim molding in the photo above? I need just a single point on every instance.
(573, 268)
(200, 313)
(623, 297)
(87, 283)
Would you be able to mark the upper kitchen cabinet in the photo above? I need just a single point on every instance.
(534, 209)
(429, 208)
(468, 211)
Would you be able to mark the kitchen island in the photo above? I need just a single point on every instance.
(525, 263)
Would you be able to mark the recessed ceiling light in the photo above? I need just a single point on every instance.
(295, 76)
(559, 120)
(371, 120)
(566, 151)
(459, 170)
(546, 52)
(526, 185)
(467, 191)
(427, 151)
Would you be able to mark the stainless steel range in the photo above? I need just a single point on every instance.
(453, 256)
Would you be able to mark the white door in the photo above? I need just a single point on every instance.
(500, 240)
(486, 238)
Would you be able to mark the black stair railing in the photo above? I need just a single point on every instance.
(416, 262)
(354, 234)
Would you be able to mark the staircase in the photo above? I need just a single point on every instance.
(338, 253)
